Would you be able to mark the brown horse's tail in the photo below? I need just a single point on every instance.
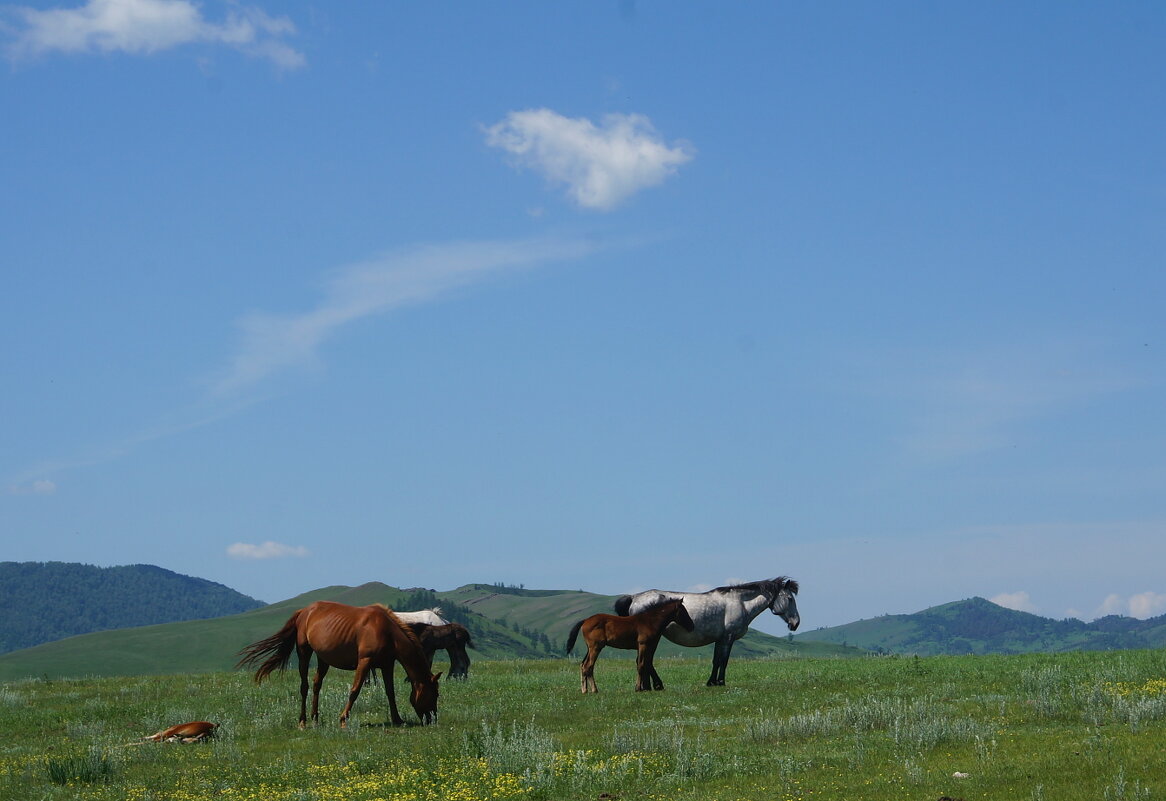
(574, 633)
(463, 636)
(271, 653)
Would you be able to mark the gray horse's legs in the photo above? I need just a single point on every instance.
(720, 661)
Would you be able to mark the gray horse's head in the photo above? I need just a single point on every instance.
(784, 604)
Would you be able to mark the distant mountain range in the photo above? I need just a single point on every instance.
(45, 601)
(978, 626)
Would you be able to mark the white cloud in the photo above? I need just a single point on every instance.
(266, 550)
(1113, 604)
(272, 343)
(38, 487)
(601, 165)
(1142, 605)
(148, 26)
(1147, 604)
(1020, 601)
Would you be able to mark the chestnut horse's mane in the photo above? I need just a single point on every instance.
(405, 628)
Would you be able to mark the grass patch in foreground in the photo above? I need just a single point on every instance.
(1071, 727)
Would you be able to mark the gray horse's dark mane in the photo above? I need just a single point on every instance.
(767, 586)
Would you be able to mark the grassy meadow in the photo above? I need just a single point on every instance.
(1087, 726)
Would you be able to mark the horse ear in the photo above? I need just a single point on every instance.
(436, 676)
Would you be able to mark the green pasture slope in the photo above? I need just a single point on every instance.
(1082, 726)
(496, 619)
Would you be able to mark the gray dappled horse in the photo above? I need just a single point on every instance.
(721, 616)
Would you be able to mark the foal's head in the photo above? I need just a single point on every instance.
(682, 618)
(424, 699)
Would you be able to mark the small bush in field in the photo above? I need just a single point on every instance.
(91, 767)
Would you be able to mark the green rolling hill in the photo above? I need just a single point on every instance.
(506, 623)
(978, 626)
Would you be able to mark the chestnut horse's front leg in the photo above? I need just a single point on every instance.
(387, 675)
(363, 666)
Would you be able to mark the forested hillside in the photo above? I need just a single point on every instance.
(978, 626)
(45, 601)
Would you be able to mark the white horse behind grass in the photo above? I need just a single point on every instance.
(721, 616)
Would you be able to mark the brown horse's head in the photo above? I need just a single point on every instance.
(424, 699)
(681, 617)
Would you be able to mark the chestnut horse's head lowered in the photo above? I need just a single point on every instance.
(424, 698)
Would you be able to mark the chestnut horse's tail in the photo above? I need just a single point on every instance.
(574, 633)
(271, 653)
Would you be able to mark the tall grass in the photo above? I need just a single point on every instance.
(1072, 727)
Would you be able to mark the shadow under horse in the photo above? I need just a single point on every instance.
(641, 631)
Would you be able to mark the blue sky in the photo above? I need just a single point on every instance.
(605, 296)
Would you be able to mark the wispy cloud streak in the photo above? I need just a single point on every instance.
(272, 343)
(266, 550)
(956, 404)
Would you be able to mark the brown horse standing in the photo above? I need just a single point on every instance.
(641, 631)
(360, 638)
(454, 638)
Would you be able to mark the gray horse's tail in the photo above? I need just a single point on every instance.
(623, 604)
(571, 637)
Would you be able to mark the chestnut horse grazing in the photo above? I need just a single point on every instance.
(360, 638)
(641, 631)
